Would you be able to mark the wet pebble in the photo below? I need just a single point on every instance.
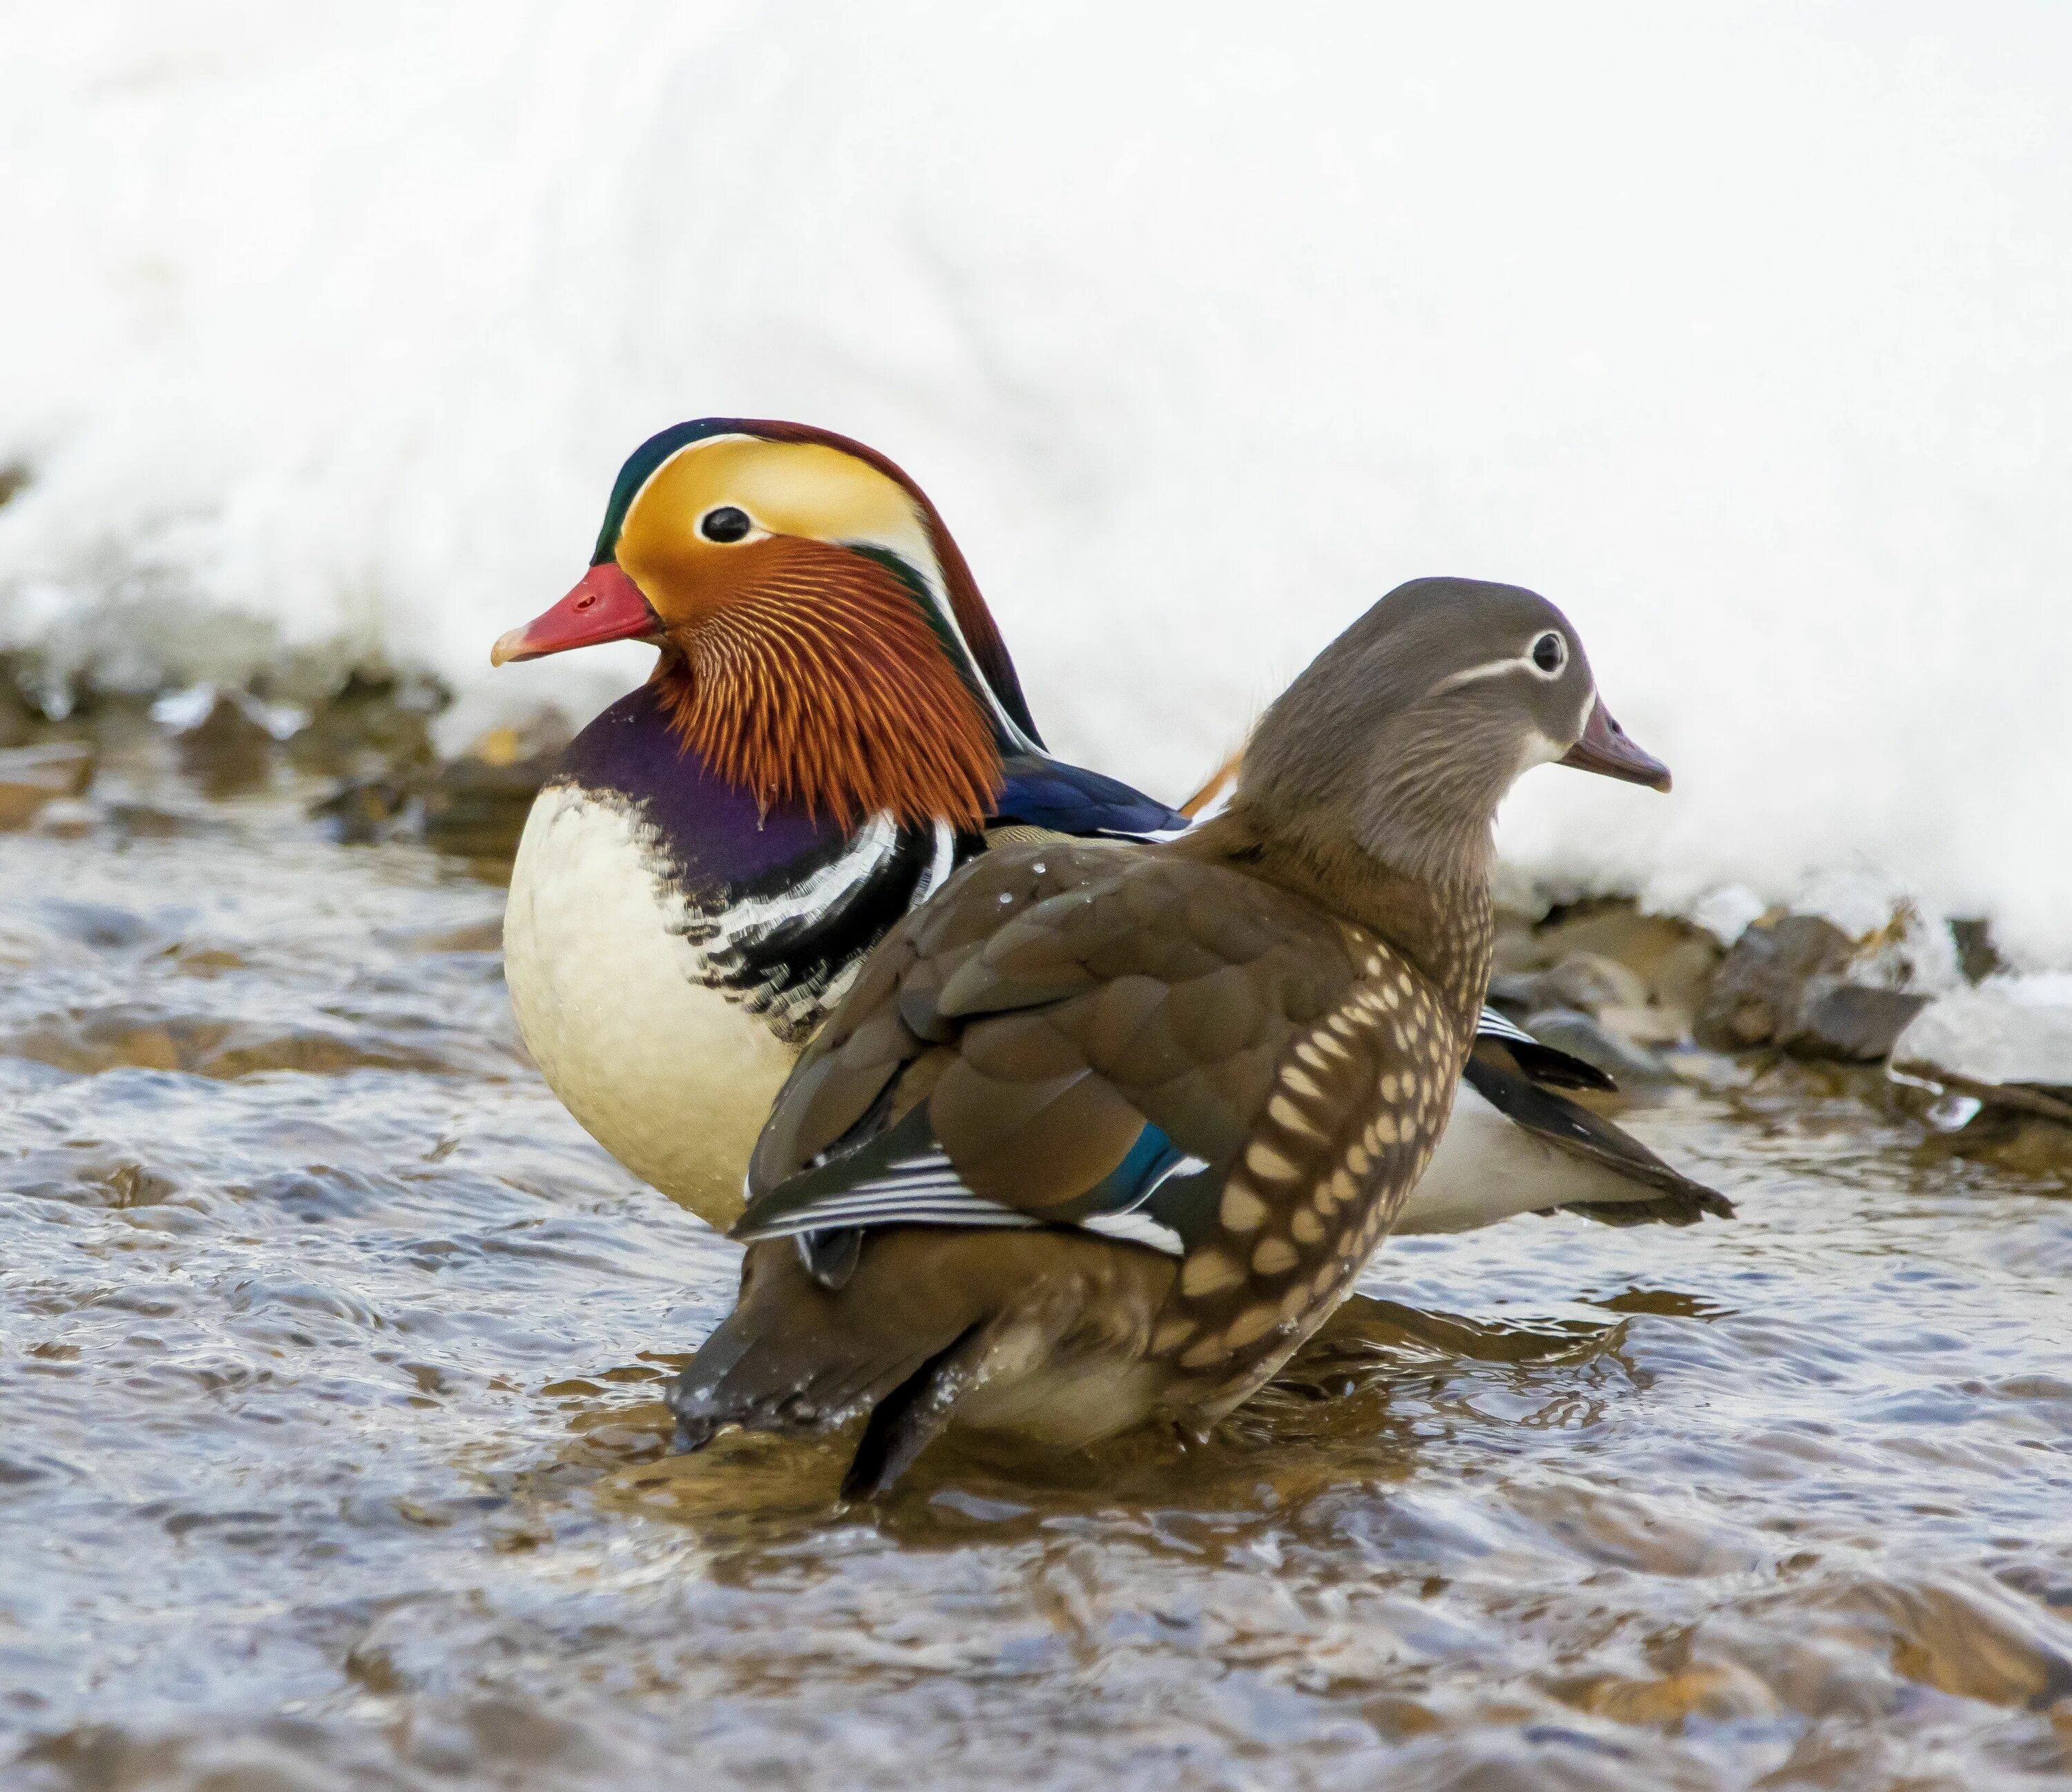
(1756, 995)
(31, 777)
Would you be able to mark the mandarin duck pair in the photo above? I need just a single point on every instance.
(1120, 1104)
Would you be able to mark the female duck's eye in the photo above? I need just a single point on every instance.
(1550, 653)
(725, 523)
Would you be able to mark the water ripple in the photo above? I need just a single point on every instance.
(331, 1356)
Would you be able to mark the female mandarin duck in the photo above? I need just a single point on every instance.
(834, 726)
(1105, 1130)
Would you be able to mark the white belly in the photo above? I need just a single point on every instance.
(670, 1077)
(1486, 1168)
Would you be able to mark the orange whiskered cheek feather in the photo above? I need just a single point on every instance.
(813, 680)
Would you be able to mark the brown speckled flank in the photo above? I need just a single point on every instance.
(1358, 1107)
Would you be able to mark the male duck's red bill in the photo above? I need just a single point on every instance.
(605, 606)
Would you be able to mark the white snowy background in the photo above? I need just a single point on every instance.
(1742, 332)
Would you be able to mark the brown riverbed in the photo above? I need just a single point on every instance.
(331, 1443)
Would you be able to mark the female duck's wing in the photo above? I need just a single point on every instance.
(1070, 1033)
(904, 1176)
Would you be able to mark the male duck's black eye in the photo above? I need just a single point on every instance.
(725, 523)
(1550, 653)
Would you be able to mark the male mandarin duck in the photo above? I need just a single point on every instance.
(833, 726)
(1104, 1131)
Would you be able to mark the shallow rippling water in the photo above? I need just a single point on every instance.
(330, 1441)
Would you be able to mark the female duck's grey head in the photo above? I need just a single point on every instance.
(1406, 731)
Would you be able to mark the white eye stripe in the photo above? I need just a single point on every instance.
(1492, 668)
(1526, 661)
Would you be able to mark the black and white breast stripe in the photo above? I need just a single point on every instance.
(787, 949)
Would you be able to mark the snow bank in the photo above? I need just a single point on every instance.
(1740, 330)
(2009, 1029)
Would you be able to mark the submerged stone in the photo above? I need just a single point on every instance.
(476, 805)
(361, 811)
(378, 723)
(228, 749)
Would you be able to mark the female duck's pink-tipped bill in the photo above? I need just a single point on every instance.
(1605, 750)
(605, 606)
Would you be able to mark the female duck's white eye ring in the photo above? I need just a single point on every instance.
(1550, 654)
(725, 523)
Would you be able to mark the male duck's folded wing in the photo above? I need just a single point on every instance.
(1047, 794)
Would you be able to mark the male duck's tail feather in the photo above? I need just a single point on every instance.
(906, 1421)
(1670, 1197)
